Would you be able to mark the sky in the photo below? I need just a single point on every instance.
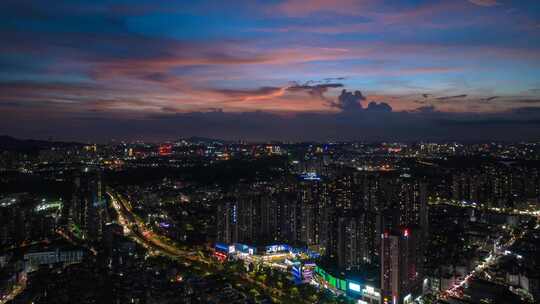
(270, 70)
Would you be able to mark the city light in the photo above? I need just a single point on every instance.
(267, 231)
(355, 287)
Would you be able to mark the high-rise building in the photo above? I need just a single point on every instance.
(226, 222)
(88, 212)
(287, 214)
(356, 239)
(369, 183)
(404, 221)
(292, 215)
(248, 218)
(312, 200)
(404, 203)
(401, 281)
(341, 192)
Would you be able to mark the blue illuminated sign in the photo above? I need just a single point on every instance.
(277, 248)
(297, 272)
(245, 248)
(222, 247)
(311, 176)
(354, 287)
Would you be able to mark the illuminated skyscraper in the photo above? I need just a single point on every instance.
(312, 200)
(248, 218)
(88, 212)
(404, 203)
(226, 222)
(404, 222)
(356, 240)
(400, 279)
(341, 192)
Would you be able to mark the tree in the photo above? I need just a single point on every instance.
(294, 291)
(429, 299)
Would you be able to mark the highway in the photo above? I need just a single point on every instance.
(137, 230)
(14, 292)
(492, 259)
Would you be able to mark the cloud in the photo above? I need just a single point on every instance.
(425, 109)
(527, 111)
(331, 79)
(299, 8)
(422, 124)
(245, 96)
(316, 90)
(452, 97)
(379, 107)
(485, 2)
(529, 101)
(491, 98)
(262, 91)
(309, 87)
(130, 61)
(349, 101)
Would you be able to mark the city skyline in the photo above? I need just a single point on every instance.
(201, 221)
(277, 70)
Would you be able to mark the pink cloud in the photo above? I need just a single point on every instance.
(375, 21)
(298, 8)
(485, 2)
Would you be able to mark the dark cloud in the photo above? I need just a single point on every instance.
(16, 86)
(492, 122)
(315, 90)
(379, 107)
(424, 124)
(529, 101)
(527, 111)
(349, 101)
(262, 91)
(64, 96)
(158, 77)
(485, 2)
(452, 97)
(331, 79)
(10, 104)
(491, 98)
(425, 109)
(79, 113)
(308, 86)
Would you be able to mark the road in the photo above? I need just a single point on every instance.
(509, 211)
(74, 241)
(137, 230)
(492, 259)
(14, 292)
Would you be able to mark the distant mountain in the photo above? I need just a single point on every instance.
(8, 143)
